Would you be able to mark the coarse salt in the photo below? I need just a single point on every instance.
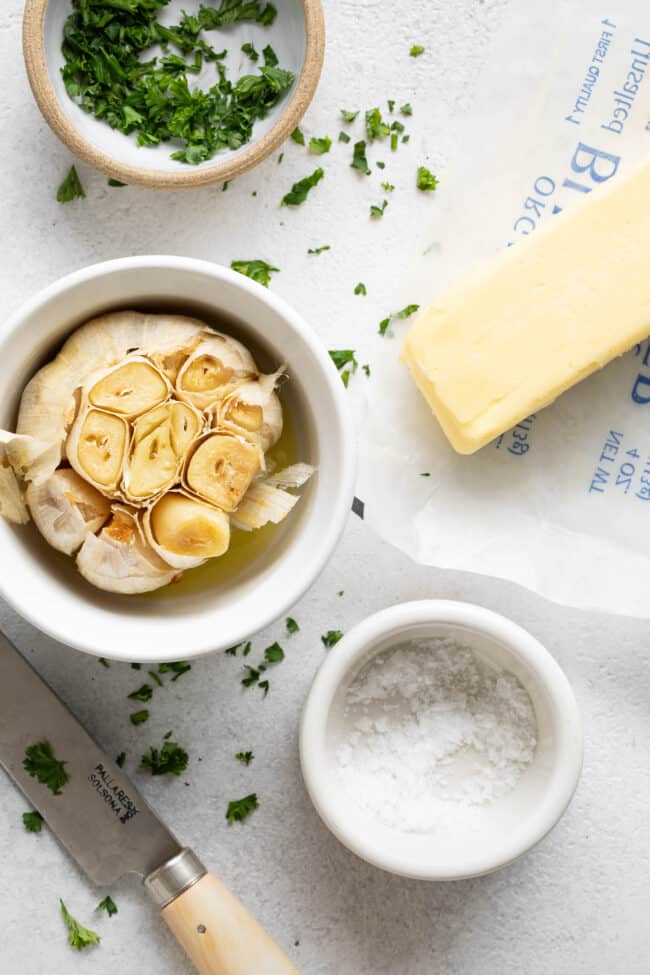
(433, 734)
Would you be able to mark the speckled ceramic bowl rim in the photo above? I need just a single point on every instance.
(345, 657)
(191, 178)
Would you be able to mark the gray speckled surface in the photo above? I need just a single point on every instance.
(579, 902)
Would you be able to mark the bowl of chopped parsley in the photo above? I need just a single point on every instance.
(157, 95)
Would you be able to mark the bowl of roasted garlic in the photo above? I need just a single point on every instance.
(176, 462)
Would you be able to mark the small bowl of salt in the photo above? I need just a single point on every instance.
(440, 740)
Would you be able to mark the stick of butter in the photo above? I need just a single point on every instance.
(505, 341)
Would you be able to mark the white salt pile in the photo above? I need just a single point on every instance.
(433, 734)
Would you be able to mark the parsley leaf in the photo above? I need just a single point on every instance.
(416, 51)
(108, 905)
(264, 684)
(170, 759)
(384, 325)
(348, 116)
(71, 188)
(239, 809)
(119, 761)
(425, 179)
(139, 717)
(78, 936)
(378, 211)
(376, 128)
(175, 667)
(116, 182)
(292, 626)
(343, 136)
(380, 165)
(257, 270)
(270, 57)
(391, 105)
(331, 638)
(343, 357)
(320, 146)
(406, 108)
(407, 311)
(366, 369)
(244, 757)
(103, 661)
(298, 136)
(253, 676)
(360, 289)
(154, 676)
(319, 250)
(300, 190)
(41, 764)
(274, 654)
(249, 50)
(32, 821)
(143, 693)
(359, 161)
(388, 187)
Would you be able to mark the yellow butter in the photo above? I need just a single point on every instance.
(509, 338)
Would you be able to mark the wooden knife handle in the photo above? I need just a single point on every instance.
(220, 936)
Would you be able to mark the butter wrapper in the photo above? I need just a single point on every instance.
(561, 503)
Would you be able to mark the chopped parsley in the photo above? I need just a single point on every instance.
(116, 182)
(78, 936)
(239, 809)
(425, 474)
(378, 211)
(280, 158)
(359, 160)
(300, 190)
(274, 654)
(32, 821)
(119, 761)
(257, 270)
(320, 146)
(143, 693)
(154, 676)
(391, 105)
(71, 188)
(348, 116)
(249, 50)
(175, 667)
(343, 136)
(232, 651)
(298, 136)
(169, 759)
(292, 626)
(360, 289)
(383, 326)
(425, 179)
(394, 140)
(264, 684)
(380, 165)
(366, 369)
(253, 675)
(110, 74)
(108, 905)
(319, 250)
(41, 764)
(139, 717)
(344, 359)
(416, 50)
(406, 108)
(136, 666)
(244, 757)
(388, 187)
(103, 661)
(331, 638)
(376, 128)
(407, 311)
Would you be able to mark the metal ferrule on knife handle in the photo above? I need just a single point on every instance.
(173, 877)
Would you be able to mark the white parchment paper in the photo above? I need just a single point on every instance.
(561, 503)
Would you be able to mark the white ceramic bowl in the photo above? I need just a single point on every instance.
(512, 824)
(45, 587)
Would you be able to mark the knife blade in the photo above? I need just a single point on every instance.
(109, 829)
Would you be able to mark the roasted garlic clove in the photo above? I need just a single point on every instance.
(185, 532)
(97, 448)
(130, 388)
(66, 509)
(222, 468)
(217, 365)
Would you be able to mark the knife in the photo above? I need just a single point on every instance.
(105, 824)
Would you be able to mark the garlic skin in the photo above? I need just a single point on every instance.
(141, 444)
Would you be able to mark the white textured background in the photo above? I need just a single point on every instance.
(578, 903)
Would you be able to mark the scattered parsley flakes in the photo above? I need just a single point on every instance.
(232, 651)
(425, 179)
(170, 759)
(331, 638)
(239, 809)
(406, 108)
(274, 654)
(319, 250)
(292, 626)
(119, 761)
(394, 139)
(144, 693)
(343, 136)
(103, 661)
(136, 666)
(175, 667)
(425, 474)
(247, 648)
(406, 312)
(71, 188)
(256, 269)
(366, 369)
(41, 764)
(264, 684)
(298, 136)
(33, 821)
(116, 182)
(348, 116)
(376, 128)
(225, 186)
(388, 187)
(249, 50)
(154, 676)
(359, 160)
(253, 675)
(380, 165)
(391, 105)
(343, 358)
(244, 757)
(320, 146)
(360, 289)
(300, 190)
(139, 717)
(270, 57)
(280, 158)
(405, 138)
(78, 936)
(378, 211)
(416, 51)
(108, 905)
(384, 325)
